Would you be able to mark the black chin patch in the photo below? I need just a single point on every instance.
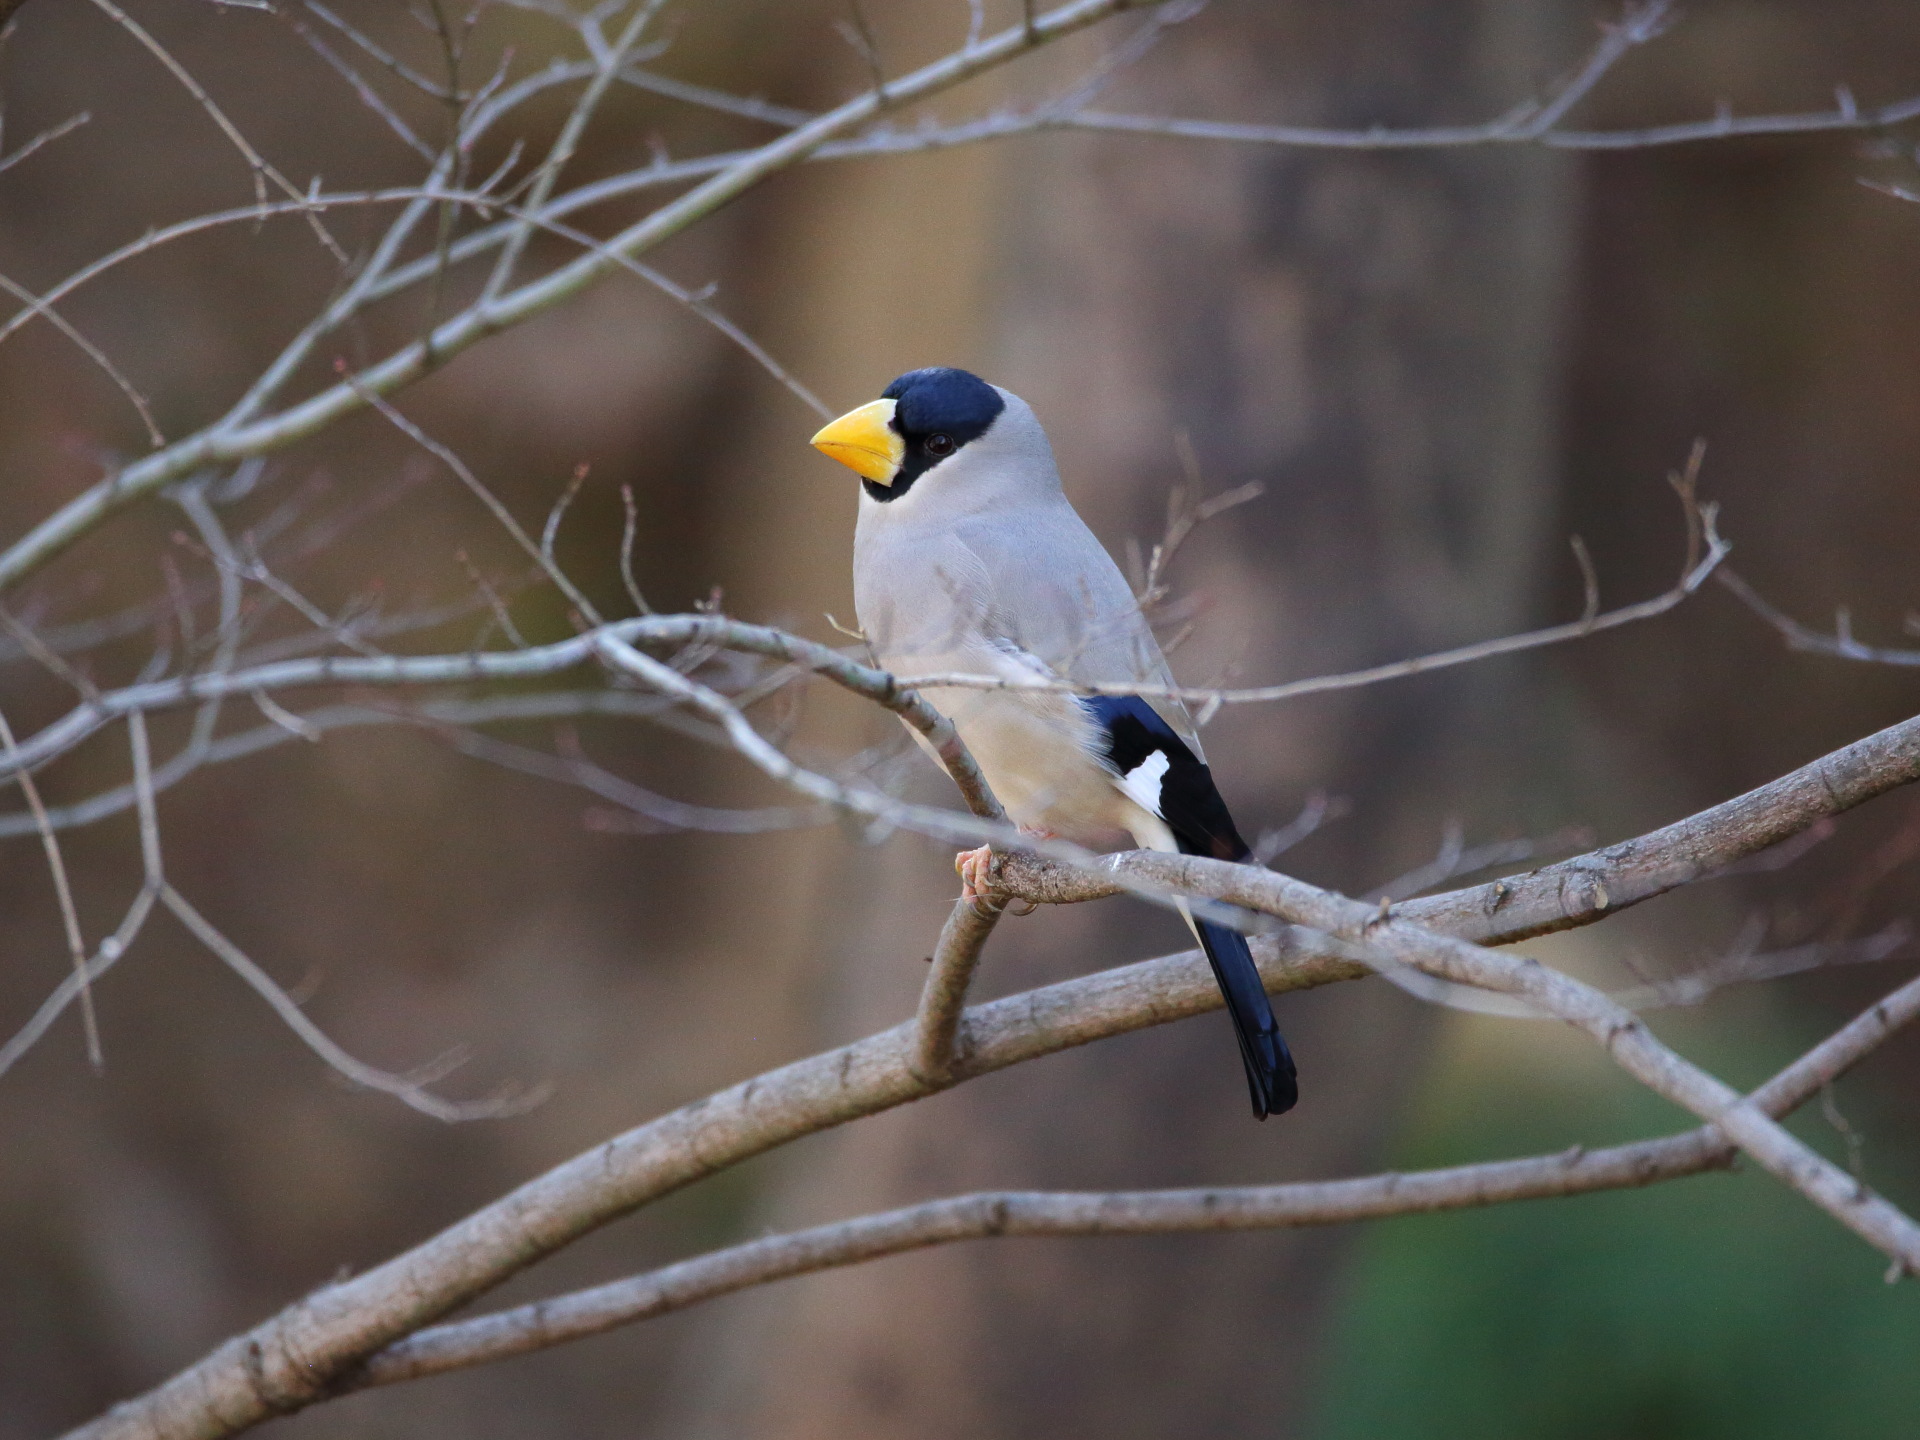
(942, 405)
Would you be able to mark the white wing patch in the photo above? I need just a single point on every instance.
(1142, 783)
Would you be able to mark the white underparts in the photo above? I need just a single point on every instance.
(1142, 783)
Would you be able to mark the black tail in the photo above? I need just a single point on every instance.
(1270, 1074)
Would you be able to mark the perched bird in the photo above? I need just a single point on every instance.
(969, 558)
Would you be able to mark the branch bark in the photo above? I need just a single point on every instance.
(1564, 895)
(993, 1214)
(299, 1355)
(1623, 1035)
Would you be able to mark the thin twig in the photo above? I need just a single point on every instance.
(231, 440)
(38, 306)
(559, 510)
(115, 945)
(1691, 579)
(45, 137)
(315, 1039)
(705, 96)
(501, 615)
(1840, 644)
(444, 714)
(357, 82)
(381, 55)
(657, 812)
(69, 915)
(629, 528)
(259, 167)
(464, 473)
(859, 34)
(1589, 583)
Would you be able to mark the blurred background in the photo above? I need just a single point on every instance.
(1439, 365)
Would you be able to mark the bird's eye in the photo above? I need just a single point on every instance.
(939, 445)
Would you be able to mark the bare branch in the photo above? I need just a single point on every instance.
(357, 82)
(628, 529)
(234, 440)
(45, 137)
(1743, 968)
(256, 570)
(859, 35)
(257, 164)
(877, 685)
(756, 749)
(1586, 888)
(1800, 637)
(608, 64)
(1456, 859)
(464, 473)
(996, 1214)
(438, 715)
(663, 812)
(1699, 567)
(502, 617)
(1317, 810)
(114, 945)
(380, 54)
(955, 957)
(63, 891)
(299, 1355)
(315, 1039)
(1626, 1039)
(296, 1357)
(745, 106)
(559, 510)
(696, 301)
(93, 352)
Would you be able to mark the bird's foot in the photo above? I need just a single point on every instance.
(976, 877)
(978, 886)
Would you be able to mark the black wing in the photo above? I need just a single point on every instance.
(1158, 769)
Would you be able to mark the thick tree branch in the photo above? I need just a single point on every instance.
(1577, 1171)
(1569, 893)
(295, 1357)
(1382, 931)
(943, 999)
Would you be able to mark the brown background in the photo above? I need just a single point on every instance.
(1439, 365)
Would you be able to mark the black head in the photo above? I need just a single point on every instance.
(936, 411)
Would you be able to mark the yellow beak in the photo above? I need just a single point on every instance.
(865, 443)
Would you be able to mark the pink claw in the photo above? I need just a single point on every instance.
(975, 867)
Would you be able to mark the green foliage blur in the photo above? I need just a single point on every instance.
(1717, 1308)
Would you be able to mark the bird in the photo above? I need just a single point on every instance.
(969, 558)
